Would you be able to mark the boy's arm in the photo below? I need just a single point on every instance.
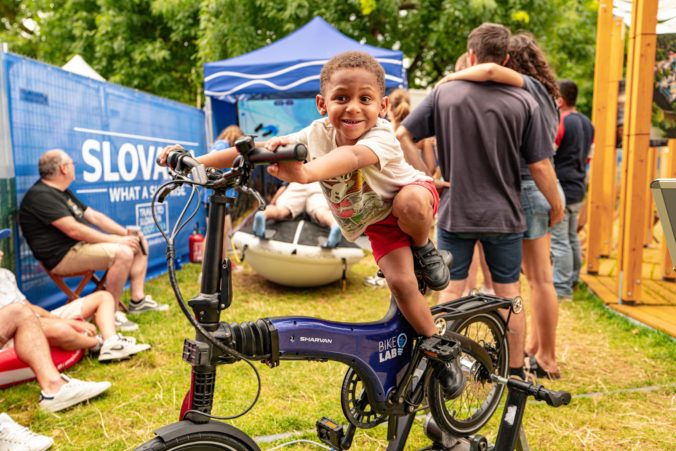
(411, 152)
(486, 72)
(339, 161)
(218, 159)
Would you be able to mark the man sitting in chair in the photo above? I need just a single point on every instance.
(64, 327)
(69, 237)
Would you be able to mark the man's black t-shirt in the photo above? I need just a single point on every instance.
(574, 138)
(482, 130)
(40, 207)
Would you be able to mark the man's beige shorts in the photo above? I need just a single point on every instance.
(85, 257)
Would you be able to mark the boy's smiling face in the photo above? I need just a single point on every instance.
(353, 102)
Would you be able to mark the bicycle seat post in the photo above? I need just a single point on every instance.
(213, 296)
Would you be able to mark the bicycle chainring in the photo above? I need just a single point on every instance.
(355, 403)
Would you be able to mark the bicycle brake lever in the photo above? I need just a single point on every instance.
(166, 191)
(256, 194)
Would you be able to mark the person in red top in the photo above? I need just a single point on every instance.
(574, 139)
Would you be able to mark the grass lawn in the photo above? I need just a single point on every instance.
(622, 376)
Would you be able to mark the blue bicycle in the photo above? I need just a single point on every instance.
(391, 369)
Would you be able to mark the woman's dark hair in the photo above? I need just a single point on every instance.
(527, 58)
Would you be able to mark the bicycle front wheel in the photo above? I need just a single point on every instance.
(470, 411)
(202, 441)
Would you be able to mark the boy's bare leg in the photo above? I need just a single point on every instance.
(30, 344)
(276, 213)
(413, 208)
(101, 305)
(324, 217)
(397, 266)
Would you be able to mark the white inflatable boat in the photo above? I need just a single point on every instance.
(291, 254)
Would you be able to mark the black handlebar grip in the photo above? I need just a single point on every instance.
(291, 152)
(553, 398)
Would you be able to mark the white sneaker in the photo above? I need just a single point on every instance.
(97, 347)
(119, 347)
(123, 324)
(14, 437)
(147, 304)
(74, 391)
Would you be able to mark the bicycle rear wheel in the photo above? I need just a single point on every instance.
(470, 411)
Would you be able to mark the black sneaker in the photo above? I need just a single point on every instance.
(450, 377)
(434, 272)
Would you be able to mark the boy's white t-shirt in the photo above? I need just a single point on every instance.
(9, 291)
(363, 197)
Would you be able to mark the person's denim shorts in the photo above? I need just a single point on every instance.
(536, 209)
(502, 251)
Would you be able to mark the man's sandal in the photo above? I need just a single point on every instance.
(533, 367)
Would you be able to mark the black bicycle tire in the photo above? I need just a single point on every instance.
(197, 441)
(437, 402)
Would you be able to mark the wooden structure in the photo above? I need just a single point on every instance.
(625, 287)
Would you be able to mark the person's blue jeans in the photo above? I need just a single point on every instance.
(566, 255)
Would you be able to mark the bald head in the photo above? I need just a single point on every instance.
(49, 162)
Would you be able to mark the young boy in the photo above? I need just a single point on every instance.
(369, 186)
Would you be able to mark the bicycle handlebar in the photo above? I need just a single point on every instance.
(183, 162)
(291, 152)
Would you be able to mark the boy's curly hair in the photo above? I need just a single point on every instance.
(352, 60)
(527, 58)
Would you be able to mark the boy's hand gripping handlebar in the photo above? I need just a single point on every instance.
(247, 149)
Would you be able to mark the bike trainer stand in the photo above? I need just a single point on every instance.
(511, 435)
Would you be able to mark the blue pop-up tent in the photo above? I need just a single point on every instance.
(292, 64)
(287, 68)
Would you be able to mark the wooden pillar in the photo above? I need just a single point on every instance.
(599, 115)
(610, 171)
(636, 143)
(649, 212)
(668, 170)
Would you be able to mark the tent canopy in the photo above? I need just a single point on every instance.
(292, 65)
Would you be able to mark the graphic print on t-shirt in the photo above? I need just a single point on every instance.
(353, 202)
(72, 206)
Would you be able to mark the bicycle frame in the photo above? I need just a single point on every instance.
(380, 351)
(384, 355)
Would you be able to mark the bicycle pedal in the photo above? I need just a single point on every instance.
(439, 348)
(330, 432)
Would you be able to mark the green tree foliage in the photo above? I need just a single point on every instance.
(160, 45)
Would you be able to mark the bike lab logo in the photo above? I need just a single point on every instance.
(392, 347)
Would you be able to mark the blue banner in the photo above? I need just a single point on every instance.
(113, 135)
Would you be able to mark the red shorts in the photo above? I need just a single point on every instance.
(386, 236)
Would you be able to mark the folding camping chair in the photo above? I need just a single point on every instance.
(86, 277)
